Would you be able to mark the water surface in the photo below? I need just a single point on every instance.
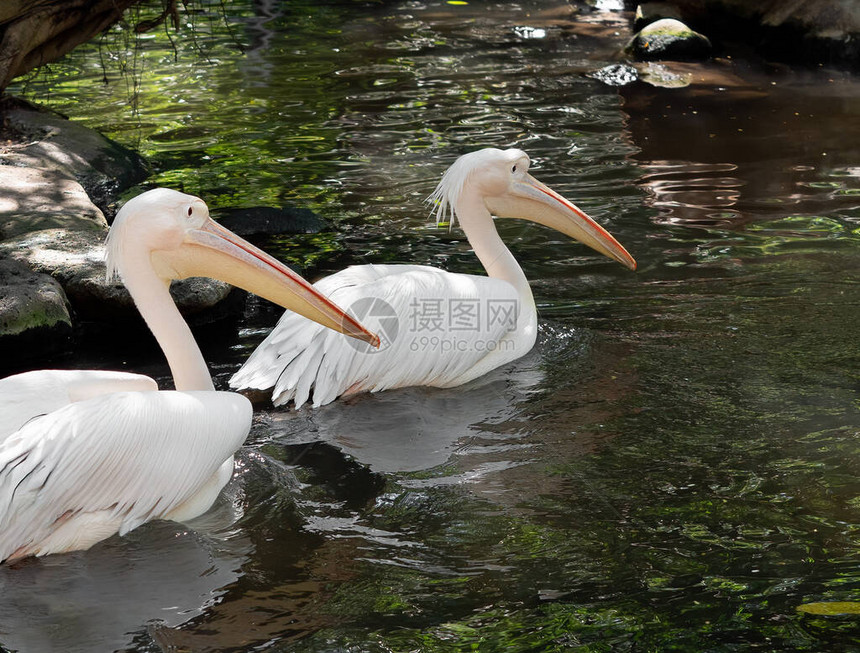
(674, 467)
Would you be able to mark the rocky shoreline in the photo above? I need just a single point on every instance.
(59, 182)
(806, 32)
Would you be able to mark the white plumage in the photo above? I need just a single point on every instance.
(32, 394)
(298, 358)
(438, 329)
(107, 464)
(85, 454)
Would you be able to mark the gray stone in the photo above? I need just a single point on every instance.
(34, 199)
(48, 141)
(34, 311)
(75, 258)
(668, 38)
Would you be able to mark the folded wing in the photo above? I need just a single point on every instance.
(424, 341)
(106, 465)
(32, 394)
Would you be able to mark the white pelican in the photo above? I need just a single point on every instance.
(85, 454)
(437, 328)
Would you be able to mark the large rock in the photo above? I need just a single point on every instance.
(668, 38)
(75, 258)
(49, 142)
(34, 312)
(34, 199)
(56, 178)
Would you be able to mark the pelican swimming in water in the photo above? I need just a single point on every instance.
(85, 454)
(438, 328)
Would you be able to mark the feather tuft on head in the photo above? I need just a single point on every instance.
(454, 180)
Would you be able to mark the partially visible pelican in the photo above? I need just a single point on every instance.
(438, 329)
(85, 454)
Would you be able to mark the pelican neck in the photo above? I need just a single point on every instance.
(494, 255)
(151, 295)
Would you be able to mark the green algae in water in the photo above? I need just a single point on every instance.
(831, 608)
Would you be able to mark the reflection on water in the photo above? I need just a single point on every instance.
(411, 429)
(773, 166)
(675, 465)
(106, 597)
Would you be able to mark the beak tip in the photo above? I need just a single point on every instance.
(626, 259)
(359, 332)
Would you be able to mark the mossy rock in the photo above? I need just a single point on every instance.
(34, 312)
(669, 39)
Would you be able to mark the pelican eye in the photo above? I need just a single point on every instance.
(514, 169)
(190, 211)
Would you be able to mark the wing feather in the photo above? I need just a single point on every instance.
(30, 394)
(112, 462)
(300, 358)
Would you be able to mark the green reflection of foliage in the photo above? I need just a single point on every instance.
(162, 87)
(787, 236)
(305, 251)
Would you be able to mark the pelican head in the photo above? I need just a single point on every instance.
(498, 182)
(171, 234)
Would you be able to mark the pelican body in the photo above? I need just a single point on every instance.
(85, 454)
(437, 328)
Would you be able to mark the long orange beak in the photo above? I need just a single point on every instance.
(214, 251)
(532, 200)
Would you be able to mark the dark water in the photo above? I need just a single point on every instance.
(674, 467)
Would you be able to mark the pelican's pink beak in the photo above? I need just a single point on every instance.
(211, 250)
(532, 200)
